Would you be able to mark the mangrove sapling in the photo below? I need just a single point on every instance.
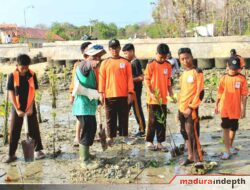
(1, 83)
(38, 101)
(53, 86)
(161, 118)
(53, 114)
(211, 86)
(4, 112)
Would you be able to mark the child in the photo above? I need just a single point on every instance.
(77, 135)
(129, 51)
(231, 103)
(158, 78)
(116, 90)
(22, 84)
(84, 107)
(190, 97)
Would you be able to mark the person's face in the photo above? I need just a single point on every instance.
(95, 59)
(22, 69)
(129, 54)
(161, 58)
(115, 52)
(186, 60)
(168, 56)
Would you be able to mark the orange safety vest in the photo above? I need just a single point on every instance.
(31, 94)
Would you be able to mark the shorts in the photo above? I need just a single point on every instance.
(232, 124)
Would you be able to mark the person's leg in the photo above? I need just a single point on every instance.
(182, 128)
(226, 139)
(161, 127)
(77, 134)
(150, 133)
(111, 119)
(190, 137)
(231, 137)
(122, 109)
(15, 132)
(88, 129)
(138, 98)
(34, 131)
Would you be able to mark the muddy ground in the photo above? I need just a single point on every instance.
(122, 163)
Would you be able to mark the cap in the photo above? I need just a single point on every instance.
(94, 49)
(114, 43)
(234, 63)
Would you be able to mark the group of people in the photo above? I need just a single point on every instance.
(116, 83)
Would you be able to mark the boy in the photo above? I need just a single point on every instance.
(116, 91)
(158, 78)
(190, 97)
(129, 51)
(77, 135)
(22, 84)
(175, 67)
(84, 107)
(231, 103)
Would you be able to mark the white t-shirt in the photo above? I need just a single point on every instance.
(175, 66)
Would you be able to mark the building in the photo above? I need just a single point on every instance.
(34, 36)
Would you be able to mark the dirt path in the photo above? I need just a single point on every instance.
(122, 163)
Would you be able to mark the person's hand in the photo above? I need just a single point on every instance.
(187, 112)
(20, 113)
(101, 98)
(130, 99)
(30, 111)
(216, 110)
(71, 99)
(243, 113)
(152, 96)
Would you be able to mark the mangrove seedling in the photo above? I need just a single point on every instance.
(38, 101)
(4, 112)
(53, 86)
(211, 86)
(1, 83)
(53, 114)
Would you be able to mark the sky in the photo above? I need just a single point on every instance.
(77, 12)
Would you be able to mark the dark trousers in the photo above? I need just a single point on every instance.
(16, 127)
(88, 129)
(190, 129)
(154, 126)
(138, 92)
(117, 108)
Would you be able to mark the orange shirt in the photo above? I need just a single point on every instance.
(192, 89)
(71, 87)
(242, 62)
(230, 90)
(157, 76)
(115, 78)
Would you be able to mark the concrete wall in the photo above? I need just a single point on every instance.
(12, 50)
(202, 47)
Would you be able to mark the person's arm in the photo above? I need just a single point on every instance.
(244, 94)
(198, 95)
(102, 82)
(170, 89)
(243, 106)
(140, 76)
(147, 79)
(12, 97)
(219, 94)
(130, 83)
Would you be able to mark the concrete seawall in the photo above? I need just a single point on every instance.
(202, 47)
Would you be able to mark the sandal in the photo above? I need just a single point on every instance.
(110, 142)
(162, 149)
(187, 162)
(234, 151)
(225, 156)
(199, 165)
(151, 147)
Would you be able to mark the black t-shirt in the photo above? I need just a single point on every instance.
(23, 88)
(136, 71)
